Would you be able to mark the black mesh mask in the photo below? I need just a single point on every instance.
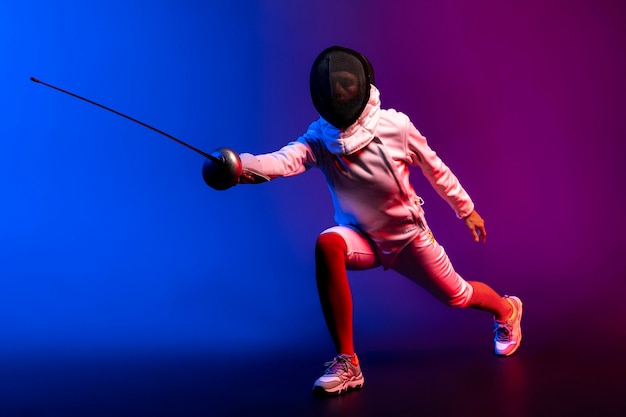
(340, 85)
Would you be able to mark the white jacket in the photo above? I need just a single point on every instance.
(367, 170)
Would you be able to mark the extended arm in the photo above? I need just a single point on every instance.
(228, 168)
(292, 159)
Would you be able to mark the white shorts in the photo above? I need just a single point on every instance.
(423, 261)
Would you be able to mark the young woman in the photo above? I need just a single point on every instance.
(365, 153)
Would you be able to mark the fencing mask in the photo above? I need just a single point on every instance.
(340, 85)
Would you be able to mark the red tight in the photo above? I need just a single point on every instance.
(334, 290)
(336, 298)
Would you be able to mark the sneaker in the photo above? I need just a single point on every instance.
(509, 334)
(340, 376)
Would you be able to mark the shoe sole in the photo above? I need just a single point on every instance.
(353, 385)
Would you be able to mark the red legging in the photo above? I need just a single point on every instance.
(336, 298)
(334, 290)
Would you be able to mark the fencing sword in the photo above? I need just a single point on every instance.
(167, 135)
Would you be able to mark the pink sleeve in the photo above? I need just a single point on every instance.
(438, 174)
(292, 159)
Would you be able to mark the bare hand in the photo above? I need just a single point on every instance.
(476, 225)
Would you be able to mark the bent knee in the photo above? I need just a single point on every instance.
(330, 243)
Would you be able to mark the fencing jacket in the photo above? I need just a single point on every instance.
(367, 170)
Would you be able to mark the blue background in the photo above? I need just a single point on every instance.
(111, 242)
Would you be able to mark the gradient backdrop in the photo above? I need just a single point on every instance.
(111, 242)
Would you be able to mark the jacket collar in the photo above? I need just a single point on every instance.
(358, 135)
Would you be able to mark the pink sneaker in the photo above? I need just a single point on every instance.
(340, 376)
(509, 334)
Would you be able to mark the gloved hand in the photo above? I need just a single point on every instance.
(252, 173)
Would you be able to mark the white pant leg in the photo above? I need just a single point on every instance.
(361, 254)
(425, 262)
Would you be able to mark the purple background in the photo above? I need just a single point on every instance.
(111, 240)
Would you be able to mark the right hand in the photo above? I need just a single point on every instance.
(252, 171)
(250, 176)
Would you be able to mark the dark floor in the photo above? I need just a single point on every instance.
(553, 375)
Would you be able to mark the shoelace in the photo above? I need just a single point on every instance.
(337, 365)
(503, 332)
